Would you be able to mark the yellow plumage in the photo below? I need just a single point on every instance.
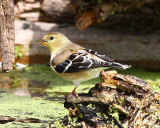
(73, 62)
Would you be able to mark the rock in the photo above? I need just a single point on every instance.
(26, 6)
(116, 16)
(31, 1)
(60, 10)
(47, 10)
(140, 51)
(32, 16)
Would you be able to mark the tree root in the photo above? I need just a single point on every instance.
(121, 101)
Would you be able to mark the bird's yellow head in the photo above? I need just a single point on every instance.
(55, 42)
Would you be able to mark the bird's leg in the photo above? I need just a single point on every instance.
(74, 90)
(103, 75)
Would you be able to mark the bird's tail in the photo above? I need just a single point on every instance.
(120, 66)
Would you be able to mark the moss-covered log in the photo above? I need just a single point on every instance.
(122, 101)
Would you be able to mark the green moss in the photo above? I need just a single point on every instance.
(114, 112)
(26, 107)
(51, 88)
(20, 51)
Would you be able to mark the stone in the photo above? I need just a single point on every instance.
(22, 6)
(32, 16)
(58, 10)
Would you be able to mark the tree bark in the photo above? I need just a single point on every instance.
(7, 36)
(118, 101)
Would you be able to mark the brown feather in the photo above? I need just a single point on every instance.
(64, 55)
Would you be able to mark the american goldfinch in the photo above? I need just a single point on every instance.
(73, 62)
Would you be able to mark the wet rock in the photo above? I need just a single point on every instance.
(6, 119)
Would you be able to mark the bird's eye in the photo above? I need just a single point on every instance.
(51, 38)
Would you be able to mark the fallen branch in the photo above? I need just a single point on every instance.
(118, 101)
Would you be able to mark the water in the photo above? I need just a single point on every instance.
(34, 96)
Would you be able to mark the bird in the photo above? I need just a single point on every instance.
(75, 63)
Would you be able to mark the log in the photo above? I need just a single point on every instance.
(119, 101)
(7, 34)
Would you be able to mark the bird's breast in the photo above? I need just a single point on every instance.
(80, 76)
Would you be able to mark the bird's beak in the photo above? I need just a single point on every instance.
(42, 42)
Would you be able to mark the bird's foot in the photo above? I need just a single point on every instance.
(103, 75)
(74, 92)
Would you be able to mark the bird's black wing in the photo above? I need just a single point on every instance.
(81, 61)
(104, 57)
(78, 62)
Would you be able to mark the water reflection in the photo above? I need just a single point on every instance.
(22, 86)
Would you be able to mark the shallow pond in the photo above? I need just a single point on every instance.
(34, 96)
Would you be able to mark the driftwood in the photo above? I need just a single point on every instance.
(7, 33)
(91, 12)
(122, 101)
